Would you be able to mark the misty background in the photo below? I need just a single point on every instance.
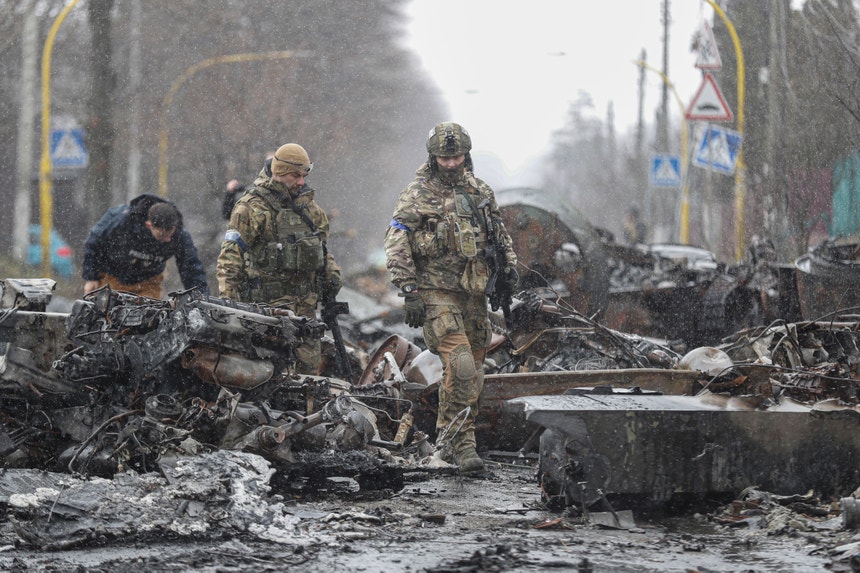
(135, 74)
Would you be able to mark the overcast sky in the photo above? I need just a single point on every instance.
(510, 70)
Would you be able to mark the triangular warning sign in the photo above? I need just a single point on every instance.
(709, 55)
(709, 104)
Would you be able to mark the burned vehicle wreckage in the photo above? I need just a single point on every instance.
(591, 381)
(122, 380)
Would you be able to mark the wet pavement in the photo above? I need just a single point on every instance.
(440, 522)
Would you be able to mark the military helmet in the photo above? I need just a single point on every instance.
(448, 139)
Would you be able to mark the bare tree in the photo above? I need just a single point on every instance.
(350, 93)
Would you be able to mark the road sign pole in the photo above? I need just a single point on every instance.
(740, 169)
(685, 155)
(46, 191)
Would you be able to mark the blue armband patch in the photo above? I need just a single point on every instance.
(233, 235)
(398, 225)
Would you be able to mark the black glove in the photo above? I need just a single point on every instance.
(335, 283)
(413, 306)
(512, 278)
(328, 285)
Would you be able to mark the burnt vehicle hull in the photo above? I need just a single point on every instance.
(664, 448)
(828, 280)
(674, 292)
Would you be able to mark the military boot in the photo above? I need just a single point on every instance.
(469, 461)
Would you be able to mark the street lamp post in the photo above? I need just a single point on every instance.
(168, 99)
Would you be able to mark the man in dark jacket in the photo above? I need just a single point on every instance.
(129, 247)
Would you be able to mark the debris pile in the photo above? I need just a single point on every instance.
(122, 382)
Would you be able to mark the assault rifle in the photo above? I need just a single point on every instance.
(331, 308)
(498, 290)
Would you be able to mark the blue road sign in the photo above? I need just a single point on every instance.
(718, 149)
(665, 171)
(67, 148)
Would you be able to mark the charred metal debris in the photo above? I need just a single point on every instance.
(122, 382)
(122, 385)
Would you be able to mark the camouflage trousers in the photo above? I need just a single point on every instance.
(150, 287)
(458, 330)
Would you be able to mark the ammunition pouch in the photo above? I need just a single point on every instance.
(433, 240)
(466, 239)
(274, 287)
(297, 254)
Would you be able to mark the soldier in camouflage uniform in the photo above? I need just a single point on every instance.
(274, 251)
(435, 254)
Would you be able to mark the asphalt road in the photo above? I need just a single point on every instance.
(441, 523)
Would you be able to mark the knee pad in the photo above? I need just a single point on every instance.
(462, 363)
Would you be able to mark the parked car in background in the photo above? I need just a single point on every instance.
(61, 253)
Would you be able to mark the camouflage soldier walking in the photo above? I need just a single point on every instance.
(275, 252)
(435, 249)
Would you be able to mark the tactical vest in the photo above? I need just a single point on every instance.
(469, 236)
(285, 263)
(451, 245)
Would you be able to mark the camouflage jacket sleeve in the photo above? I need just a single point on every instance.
(398, 248)
(248, 219)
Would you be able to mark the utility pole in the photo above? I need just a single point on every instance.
(774, 213)
(663, 124)
(26, 125)
(663, 207)
(641, 165)
(100, 128)
(640, 123)
(134, 77)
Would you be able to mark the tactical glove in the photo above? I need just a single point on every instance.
(413, 306)
(335, 284)
(512, 278)
(328, 285)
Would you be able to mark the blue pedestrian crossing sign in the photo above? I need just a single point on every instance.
(665, 171)
(67, 148)
(717, 149)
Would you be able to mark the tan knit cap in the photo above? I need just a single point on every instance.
(291, 158)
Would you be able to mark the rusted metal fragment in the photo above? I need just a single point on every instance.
(657, 447)
(557, 243)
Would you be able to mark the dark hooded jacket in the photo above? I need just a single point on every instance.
(121, 245)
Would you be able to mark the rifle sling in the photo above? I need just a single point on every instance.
(478, 213)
